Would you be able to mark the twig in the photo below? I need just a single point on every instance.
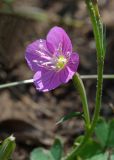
(84, 77)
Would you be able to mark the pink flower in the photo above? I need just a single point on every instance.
(52, 60)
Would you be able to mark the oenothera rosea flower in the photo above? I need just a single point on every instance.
(52, 60)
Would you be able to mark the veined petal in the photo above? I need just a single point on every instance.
(73, 61)
(58, 39)
(66, 74)
(35, 53)
(46, 80)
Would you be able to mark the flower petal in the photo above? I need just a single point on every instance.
(46, 80)
(67, 73)
(73, 61)
(57, 38)
(36, 52)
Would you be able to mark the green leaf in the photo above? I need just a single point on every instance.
(90, 149)
(99, 157)
(7, 148)
(69, 116)
(41, 154)
(110, 142)
(102, 132)
(56, 149)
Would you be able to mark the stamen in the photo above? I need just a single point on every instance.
(61, 62)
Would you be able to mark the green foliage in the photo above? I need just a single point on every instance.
(57, 149)
(103, 146)
(6, 148)
(102, 156)
(102, 132)
(90, 149)
(70, 116)
(41, 154)
(110, 141)
(55, 153)
(95, 149)
(105, 133)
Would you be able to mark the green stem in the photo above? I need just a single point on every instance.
(98, 34)
(97, 26)
(72, 155)
(75, 152)
(98, 94)
(92, 6)
(80, 87)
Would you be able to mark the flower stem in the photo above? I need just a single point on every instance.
(80, 87)
(92, 6)
(98, 94)
(76, 150)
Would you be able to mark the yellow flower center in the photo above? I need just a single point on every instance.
(61, 62)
